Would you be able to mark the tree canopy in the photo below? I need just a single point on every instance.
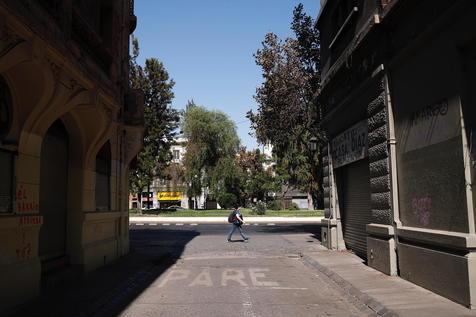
(212, 142)
(258, 180)
(288, 114)
(160, 120)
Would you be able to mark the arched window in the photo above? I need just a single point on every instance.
(6, 157)
(103, 178)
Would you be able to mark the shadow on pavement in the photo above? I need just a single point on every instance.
(237, 240)
(314, 229)
(110, 289)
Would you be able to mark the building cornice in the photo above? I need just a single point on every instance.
(323, 8)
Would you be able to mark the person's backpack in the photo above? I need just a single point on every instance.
(232, 217)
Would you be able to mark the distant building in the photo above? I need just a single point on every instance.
(178, 149)
(291, 195)
(166, 192)
(171, 192)
(399, 99)
(288, 195)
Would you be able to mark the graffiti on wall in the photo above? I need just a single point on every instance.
(24, 203)
(29, 220)
(429, 125)
(24, 249)
(23, 252)
(421, 207)
(429, 112)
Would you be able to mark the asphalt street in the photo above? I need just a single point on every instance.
(179, 270)
(254, 229)
(264, 276)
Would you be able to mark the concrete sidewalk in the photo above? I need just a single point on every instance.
(386, 295)
(223, 220)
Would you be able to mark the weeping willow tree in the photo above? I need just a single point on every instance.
(212, 143)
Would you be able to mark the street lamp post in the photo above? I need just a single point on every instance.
(313, 144)
(195, 177)
(313, 147)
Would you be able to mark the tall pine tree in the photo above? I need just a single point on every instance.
(161, 121)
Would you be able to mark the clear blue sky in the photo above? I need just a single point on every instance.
(207, 47)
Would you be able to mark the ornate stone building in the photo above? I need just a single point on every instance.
(69, 127)
(398, 96)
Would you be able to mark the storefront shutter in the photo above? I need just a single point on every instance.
(356, 202)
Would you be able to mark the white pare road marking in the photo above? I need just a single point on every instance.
(194, 224)
(179, 224)
(139, 224)
(237, 276)
(166, 224)
(175, 275)
(202, 279)
(271, 224)
(256, 274)
(256, 224)
(152, 224)
(227, 277)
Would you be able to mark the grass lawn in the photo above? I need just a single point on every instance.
(224, 213)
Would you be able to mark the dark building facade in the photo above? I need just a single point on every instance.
(69, 126)
(399, 102)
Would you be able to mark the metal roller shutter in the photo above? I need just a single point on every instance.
(356, 203)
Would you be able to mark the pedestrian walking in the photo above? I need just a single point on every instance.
(236, 220)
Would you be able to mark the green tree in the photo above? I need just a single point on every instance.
(288, 114)
(174, 174)
(212, 138)
(257, 181)
(226, 182)
(160, 120)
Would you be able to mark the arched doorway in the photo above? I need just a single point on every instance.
(53, 196)
(6, 156)
(5, 108)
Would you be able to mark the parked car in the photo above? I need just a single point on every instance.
(175, 207)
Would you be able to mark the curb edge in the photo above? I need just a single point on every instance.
(367, 300)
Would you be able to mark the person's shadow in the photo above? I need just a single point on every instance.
(239, 240)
